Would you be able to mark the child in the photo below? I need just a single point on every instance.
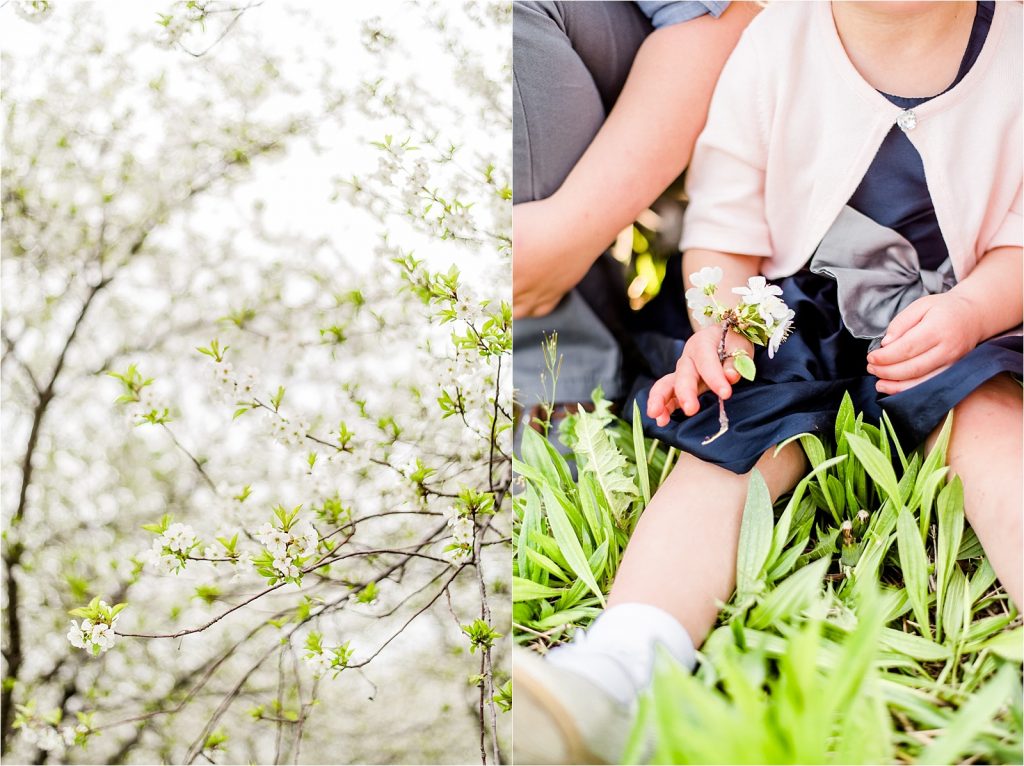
(893, 225)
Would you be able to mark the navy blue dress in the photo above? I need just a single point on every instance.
(800, 390)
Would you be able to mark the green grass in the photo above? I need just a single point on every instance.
(866, 625)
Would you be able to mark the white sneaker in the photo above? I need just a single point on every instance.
(562, 717)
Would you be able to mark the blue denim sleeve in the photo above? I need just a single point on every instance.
(663, 13)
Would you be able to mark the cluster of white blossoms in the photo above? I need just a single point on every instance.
(289, 547)
(290, 433)
(149, 402)
(761, 315)
(169, 552)
(463, 531)
(229, 387)
(95, 637)
(48, 737)
(323, 658)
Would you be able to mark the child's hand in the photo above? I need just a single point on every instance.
(698, 370)
(925, 338)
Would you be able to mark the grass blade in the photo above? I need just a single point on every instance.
(915, 567)
(568, 543)
(876, 465)
(755, 534)
(974, 716)
(641, 456)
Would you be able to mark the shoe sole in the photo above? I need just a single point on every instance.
(537, 711)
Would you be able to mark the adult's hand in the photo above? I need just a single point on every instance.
(643, 146)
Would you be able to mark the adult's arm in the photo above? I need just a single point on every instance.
(642, 147)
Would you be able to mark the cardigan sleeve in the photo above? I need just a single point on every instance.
(725, 181)
(1011, 231)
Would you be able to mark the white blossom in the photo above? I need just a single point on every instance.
(707, 277)
(780, 332)
(757, 291)
(701, 305)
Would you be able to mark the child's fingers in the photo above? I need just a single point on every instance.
(903, 321)
(687, 385)
(909, 369)
(897, 386)
(914, 342)
(661, 401)
(709, 366)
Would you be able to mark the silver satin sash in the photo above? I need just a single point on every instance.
(877, 273)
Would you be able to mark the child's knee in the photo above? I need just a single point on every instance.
(986, 424)
(996, 404)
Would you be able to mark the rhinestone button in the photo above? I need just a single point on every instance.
(907, 121)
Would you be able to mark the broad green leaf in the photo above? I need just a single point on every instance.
(844, 418)
(919, 648)
(745, 366)
(951, 529)
(567, 617)
(891, 430)
(546, 564)
(785, 529)
(982, 579)
(527, 590)
(599, 529)
(790, 596)
(1008, 645)
(755, 533)
(641, 456)
(972, 719)
(537, 458)
(568, 543)
(956, 607)
(914, 566)
(984, 628)
(598, 456)
(530, 521)
(876, 465)
(970, 548)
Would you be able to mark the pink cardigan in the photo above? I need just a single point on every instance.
(793, 128)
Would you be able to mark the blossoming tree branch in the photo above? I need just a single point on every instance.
(256, 464)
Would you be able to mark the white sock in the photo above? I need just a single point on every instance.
(617, 652)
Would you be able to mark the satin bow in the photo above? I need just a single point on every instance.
(877, 273)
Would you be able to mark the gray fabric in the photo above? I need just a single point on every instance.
(877, 273)
(570, 60)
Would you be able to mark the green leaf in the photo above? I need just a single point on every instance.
(641, 455)
(568, 617)
(745, 366)
(755, 534)
(792, 594)
(568, 542)
(914, 565)
(527, 590)
(1008, 645)
(598, 456)
(876, 465)
(919, 648)
(951, 529)
(956, 610)
(975, 715)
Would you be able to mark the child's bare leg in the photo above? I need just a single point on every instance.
(682, 556)
(985, 451)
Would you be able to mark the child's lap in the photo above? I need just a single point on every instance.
(801, 389)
